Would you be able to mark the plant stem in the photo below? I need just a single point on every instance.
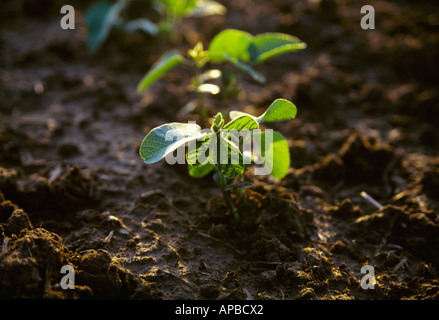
(241, 191)
(201, 102)
(227, 198)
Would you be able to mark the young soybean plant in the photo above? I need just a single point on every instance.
(226, 149)
(238, 48)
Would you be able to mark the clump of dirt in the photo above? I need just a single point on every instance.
(32, 260)
(360, 158)
(409, 229)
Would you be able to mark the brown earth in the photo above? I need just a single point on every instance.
(75, 191)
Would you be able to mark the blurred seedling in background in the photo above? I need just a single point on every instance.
(236, 48)
(226, 149)
(103, 16)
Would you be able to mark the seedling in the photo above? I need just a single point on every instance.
(226, 149)
(103, 16)
(235, 47)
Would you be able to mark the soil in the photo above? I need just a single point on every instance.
(74, 189)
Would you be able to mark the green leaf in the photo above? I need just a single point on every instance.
(142, 24)
(166, 62)
(267, 45)
(227, 158)
(201, 170)
(239, 130)
(164, 139)
(199, 153)
(210, 75)
(199, 56)
(243, 122)
(179, 8)
(219, 152)
(208, 88)
(218, 122)
(279, 110)
(245, 67)
(236, 114)
(231, 42)
(220, 149)
(230, 170)
(100, 18)
(276, 153)
(206, 8)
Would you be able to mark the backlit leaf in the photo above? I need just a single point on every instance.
(279, 110)
(166, 62)
(201, 170)
(143, 25)
(227, 158)
(275, 153)
(206, 8)
(267, 45)
(231, 42)
(243, 122)
(164, 139)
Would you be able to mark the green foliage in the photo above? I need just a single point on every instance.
(221, 147)
(268, 45)
(167, 62)
(278, 156)
(102, 16)
(159, 142)
(239, 48)
(279, 110)
(244, 47)
(231, 42)
(178, 9)
(245, 50)
(201, 171)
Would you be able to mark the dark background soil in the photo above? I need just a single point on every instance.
(75, 191)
